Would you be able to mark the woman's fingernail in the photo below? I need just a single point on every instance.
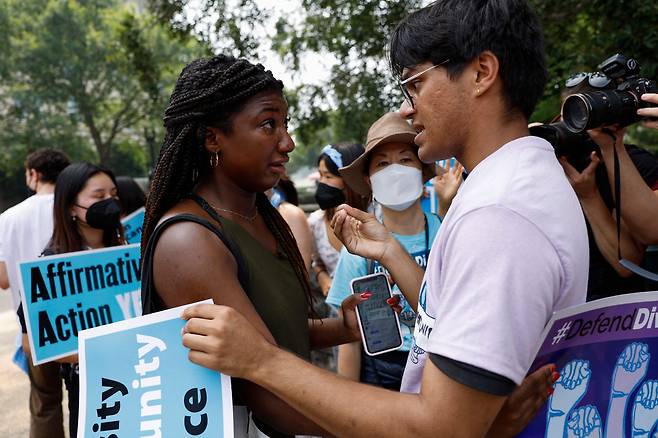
(555, 376)
(391, 301)
(366, 295)
(551, 390)
(552, 369)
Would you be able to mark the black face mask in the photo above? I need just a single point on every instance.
(328, 197)
(103, 215)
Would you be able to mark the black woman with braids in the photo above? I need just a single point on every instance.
(210, 232)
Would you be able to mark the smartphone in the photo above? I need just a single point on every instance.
(378, 322)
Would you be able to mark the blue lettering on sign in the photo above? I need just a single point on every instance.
(422, 299)
(132, 226)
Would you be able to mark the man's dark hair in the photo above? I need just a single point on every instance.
(131, 195)
(460, 30)
(48, 162)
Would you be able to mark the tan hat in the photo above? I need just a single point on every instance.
(390, 128)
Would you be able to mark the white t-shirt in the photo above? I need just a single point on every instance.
(25, 230)
(323, 251)
(511, 251)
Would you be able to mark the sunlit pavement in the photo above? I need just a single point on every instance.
(14, 384)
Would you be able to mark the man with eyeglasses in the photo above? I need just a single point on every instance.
(588, 166)
(513, 251)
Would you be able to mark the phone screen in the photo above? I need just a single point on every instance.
(380, 327)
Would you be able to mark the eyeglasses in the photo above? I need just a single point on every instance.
(596, 80)
(407, 91)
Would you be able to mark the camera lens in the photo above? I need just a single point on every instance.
(599, 108)
(576, 112)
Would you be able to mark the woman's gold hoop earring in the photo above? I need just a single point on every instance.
(214, 159)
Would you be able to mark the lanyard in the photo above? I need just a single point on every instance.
(617, 195)
(427, 241)
(370, 265)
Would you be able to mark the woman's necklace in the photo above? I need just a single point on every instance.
(240, 215)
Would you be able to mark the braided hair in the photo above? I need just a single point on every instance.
(208, 92)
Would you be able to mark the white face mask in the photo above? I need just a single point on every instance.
(397, 187)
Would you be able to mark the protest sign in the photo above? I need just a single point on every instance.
(606, 352)
(132, 226)
(136, 380)
(66, 293)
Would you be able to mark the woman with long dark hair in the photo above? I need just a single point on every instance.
(86, 210)
(86, 216)
(210, 231)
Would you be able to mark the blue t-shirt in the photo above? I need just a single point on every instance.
(351, 266)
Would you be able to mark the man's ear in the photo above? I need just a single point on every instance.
(35, 177)
(486, 68)
(366, 179)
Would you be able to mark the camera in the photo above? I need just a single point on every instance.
(584, 111)
(575, 146)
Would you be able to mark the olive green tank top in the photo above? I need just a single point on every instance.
(274, 290)
(268, 279)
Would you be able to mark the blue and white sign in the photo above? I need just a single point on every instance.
(132, 226)
(64, 294)
(136, 380)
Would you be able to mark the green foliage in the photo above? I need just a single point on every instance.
(581, 34)
(228, 26)
(90, 77)
(129, 158)
(361, 87)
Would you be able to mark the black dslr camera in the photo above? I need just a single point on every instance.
(584, 111)
(575, 146)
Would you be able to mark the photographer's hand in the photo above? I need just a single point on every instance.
(649, 112)
(583, 183)
(600, 219)
(601, 137)
(639, 202)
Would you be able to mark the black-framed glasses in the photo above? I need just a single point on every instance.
(595, 79)
(409, 97)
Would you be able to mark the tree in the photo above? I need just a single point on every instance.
(579, 35)
(89, 77)
(227, 26)
(74, 58)
(361, 87)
